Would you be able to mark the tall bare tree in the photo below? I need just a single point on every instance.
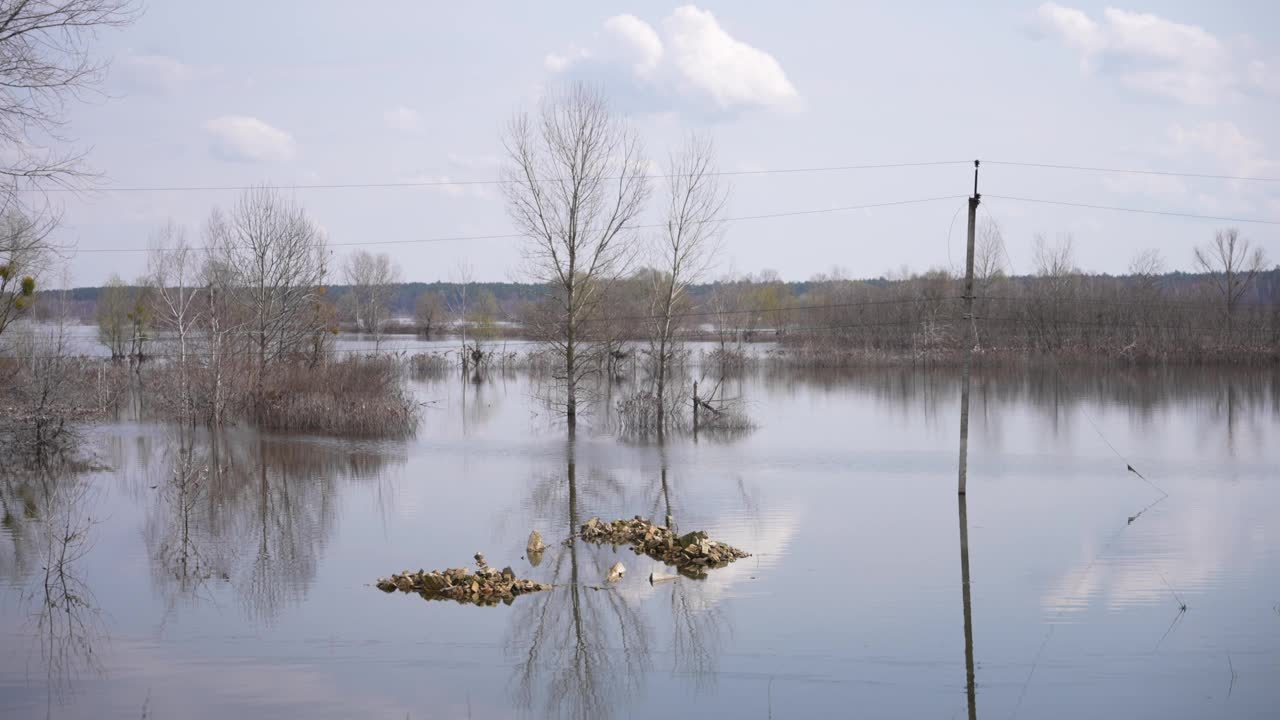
(277, 259)
(685, 249)
(372, 279)
(222, 322)
(576, 181)
(171, 271)
(990, 258)
(1231, 264)
(45, 63)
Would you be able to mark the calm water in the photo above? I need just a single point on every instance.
(247, 591)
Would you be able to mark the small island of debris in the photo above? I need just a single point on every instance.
(691, 554)
(486, 586)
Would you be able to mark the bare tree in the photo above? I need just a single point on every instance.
(576, 181)
(1146, 265)
(989, 260)
(222, 321)
(45, 62)
(371, 278)
(50, 392)
(1231, 264)
(171, 273)
(277, 260)
(684, 251)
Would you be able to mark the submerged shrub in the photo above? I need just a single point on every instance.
(354, 395)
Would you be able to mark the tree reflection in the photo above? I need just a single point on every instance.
(587, 645)
(249, 510)
(184, 557)
(47, 516)
(583, 649)
(696, 620)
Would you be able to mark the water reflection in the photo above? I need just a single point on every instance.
(967, 603)
(48, 520)
(847, 472)
(584, 649)
(250, 511)
(585, 646)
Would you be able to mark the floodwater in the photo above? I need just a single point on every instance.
(246, 591)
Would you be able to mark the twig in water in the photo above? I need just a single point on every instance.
(1159, 500)
(770, 697)
(1176, 618)
(1181, 605)
(1232, 668)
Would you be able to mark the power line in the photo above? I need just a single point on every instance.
(467, 183)
(649, 226)
(1132, 171)
(1142, 211)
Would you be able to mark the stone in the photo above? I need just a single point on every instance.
(487, 586)
(693, 551)
(535, 545)
(616, 572)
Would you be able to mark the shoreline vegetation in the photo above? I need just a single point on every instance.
(242, 325)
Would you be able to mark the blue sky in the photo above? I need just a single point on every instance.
(236, 93)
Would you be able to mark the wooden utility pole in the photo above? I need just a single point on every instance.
(970, 340)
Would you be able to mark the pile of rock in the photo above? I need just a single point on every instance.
(486, 586)
(691, 553)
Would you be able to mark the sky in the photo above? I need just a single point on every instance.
(290, 93)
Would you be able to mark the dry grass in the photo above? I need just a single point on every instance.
(355, 395)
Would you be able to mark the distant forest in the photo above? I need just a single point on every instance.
(512, 298)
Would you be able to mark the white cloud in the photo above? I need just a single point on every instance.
(638, 40)
(239, 138)
(154, 74)
(713, 63)
(556, 62)
(1222, 146)
(1154, 56)
(694, 62)
(403, 119)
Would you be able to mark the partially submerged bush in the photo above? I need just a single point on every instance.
(354, 395)
(430, 365)
(46, 398)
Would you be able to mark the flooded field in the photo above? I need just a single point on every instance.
(231, 575)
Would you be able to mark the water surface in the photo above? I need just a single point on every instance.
(246, 590)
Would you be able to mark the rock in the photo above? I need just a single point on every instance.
(657, 577)
(535, 545)
(616, 572)
(433, 582)
(691, 550)
(691, 538)
(487, 586)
